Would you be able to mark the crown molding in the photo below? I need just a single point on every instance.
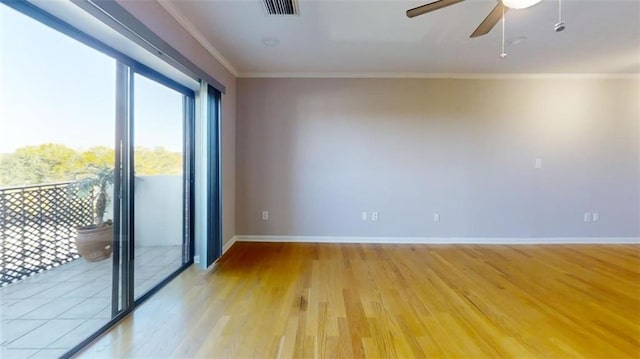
(177, 15)
(422, 75)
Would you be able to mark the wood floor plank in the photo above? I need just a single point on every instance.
(288, 300)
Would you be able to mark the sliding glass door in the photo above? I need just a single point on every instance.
(160, 186)
(95, 184)
(154, 120)
(57, 155)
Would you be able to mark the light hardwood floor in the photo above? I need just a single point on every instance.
(270, 300)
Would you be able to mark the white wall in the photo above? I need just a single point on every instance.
(158, 211)
(316, 153)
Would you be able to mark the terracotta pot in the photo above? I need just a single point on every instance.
(94, 243)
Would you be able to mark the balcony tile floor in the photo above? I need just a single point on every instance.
(47, 314)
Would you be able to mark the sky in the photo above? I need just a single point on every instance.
(54, 89)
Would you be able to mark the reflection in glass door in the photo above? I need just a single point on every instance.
(159, 182)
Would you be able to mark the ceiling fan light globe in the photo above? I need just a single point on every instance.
(519, 4)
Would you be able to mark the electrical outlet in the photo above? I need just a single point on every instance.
(265, 215)
(364, 216)
(595, 217)
(374, 216)
(538, 164)
(196, 259)
(587, 217)
(436, 217)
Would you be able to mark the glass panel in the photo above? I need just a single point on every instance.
(159, 182)
(57, 128)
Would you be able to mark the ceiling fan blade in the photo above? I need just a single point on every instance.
(490, 21)
(430, 7)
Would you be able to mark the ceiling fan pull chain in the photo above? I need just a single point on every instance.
(560, 26)
(503, 55)
(559, 10)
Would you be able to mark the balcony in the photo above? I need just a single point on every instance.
(51, 298)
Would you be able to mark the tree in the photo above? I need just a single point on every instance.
(58, 163)
(97, 178)
(98, 156)
(37, 164)
(157, 161)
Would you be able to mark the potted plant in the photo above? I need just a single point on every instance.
(94, 241)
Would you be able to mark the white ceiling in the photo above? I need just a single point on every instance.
(376, 37)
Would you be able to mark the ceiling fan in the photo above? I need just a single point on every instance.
(488, 23)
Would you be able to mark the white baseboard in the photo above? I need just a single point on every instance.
(436, 240)
(230, 243)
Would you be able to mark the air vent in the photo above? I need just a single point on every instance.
(281, 7)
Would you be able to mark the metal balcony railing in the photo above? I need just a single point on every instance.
(38, 228)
